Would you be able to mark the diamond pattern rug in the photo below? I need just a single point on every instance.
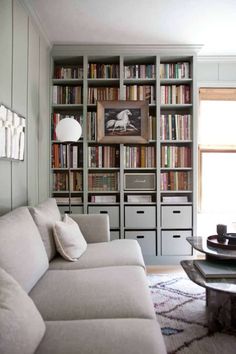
(180, 307)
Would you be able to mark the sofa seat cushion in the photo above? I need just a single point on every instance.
(108, 336)
(21, 325)
(112, 292)
(45, 216)
(104, 254)
(22, 253)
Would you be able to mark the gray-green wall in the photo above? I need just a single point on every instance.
(24, 87)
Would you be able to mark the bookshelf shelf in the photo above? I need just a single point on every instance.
(137, 177)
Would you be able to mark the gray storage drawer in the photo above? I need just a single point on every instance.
(174, 243)
(112, 211)
(176, 217)
(140, 217)
(114, 235)
(146, 239)
(74, 209)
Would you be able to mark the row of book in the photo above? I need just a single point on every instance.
(175, 70)
(62, 154)
(61, 181)
(139, 156)
(175, 156)
(176, 126)
(139, 71)
(103, 181)
(102, 93)
(56, 117)
(103, 71)
(68, 72)
(176, 181)
(140, 92)
(179, 70)
(175, 94)
(103, 156)
(67, 94)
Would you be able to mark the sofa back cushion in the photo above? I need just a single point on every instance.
(21, 325)
(22, 253)
(45, 216)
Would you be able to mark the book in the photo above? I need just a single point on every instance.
(216, 269)
(175, 199)
(139, 198)
(103, 199)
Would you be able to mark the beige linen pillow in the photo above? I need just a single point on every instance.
(21, 325)
(69, 240)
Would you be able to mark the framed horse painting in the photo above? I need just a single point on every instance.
(122, 122)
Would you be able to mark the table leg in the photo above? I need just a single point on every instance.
(221, 311)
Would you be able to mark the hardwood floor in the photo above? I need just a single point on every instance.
(164, 269)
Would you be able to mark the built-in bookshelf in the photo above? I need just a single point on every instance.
(140, 186)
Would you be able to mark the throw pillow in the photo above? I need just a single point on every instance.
(21, 325)
(69, 240)
(45, 215)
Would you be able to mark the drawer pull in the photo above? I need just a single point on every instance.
(103, 212)
(176, 236)
(140, 236)
(176, 211)
(140, 211)
(67, 212)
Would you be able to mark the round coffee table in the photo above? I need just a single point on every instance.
(220, 293)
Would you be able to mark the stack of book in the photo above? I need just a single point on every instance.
(140, 92)
(175, 94)
(139, 71)
(103, 199)
(139, 156)
(139, 198)
(175, 127)
(68, 72)
(103, 93)
(175, 156)
(176, 180)
(175, 70)
(103, 156)
(67, 94)
(103, 181)
(103, 71)
(92, 125)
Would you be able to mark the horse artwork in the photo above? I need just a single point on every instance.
(123, 122)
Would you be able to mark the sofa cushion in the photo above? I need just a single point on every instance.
(93, 293)
(45, 216)
(22, 253)
(69, 240)
(21, 325)
(107, 336)
(104, 254)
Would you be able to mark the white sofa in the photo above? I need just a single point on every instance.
(99, 304)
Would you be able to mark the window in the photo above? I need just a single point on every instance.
(217, 150)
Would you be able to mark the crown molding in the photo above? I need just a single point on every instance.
(31, 12)
(216, 58)
(125, 49)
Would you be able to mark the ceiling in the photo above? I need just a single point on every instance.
(208, 22)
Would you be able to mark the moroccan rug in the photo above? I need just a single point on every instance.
(181, 312)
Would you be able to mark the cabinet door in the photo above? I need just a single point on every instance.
(146, 240)
(112, 211)
(114, 235)
(176, 217)
(174, 243)
(140, 217)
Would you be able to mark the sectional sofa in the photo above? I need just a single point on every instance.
(99, 304)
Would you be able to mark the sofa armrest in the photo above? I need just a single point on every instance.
(94, 227)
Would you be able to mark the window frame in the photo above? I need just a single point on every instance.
(212, 94)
